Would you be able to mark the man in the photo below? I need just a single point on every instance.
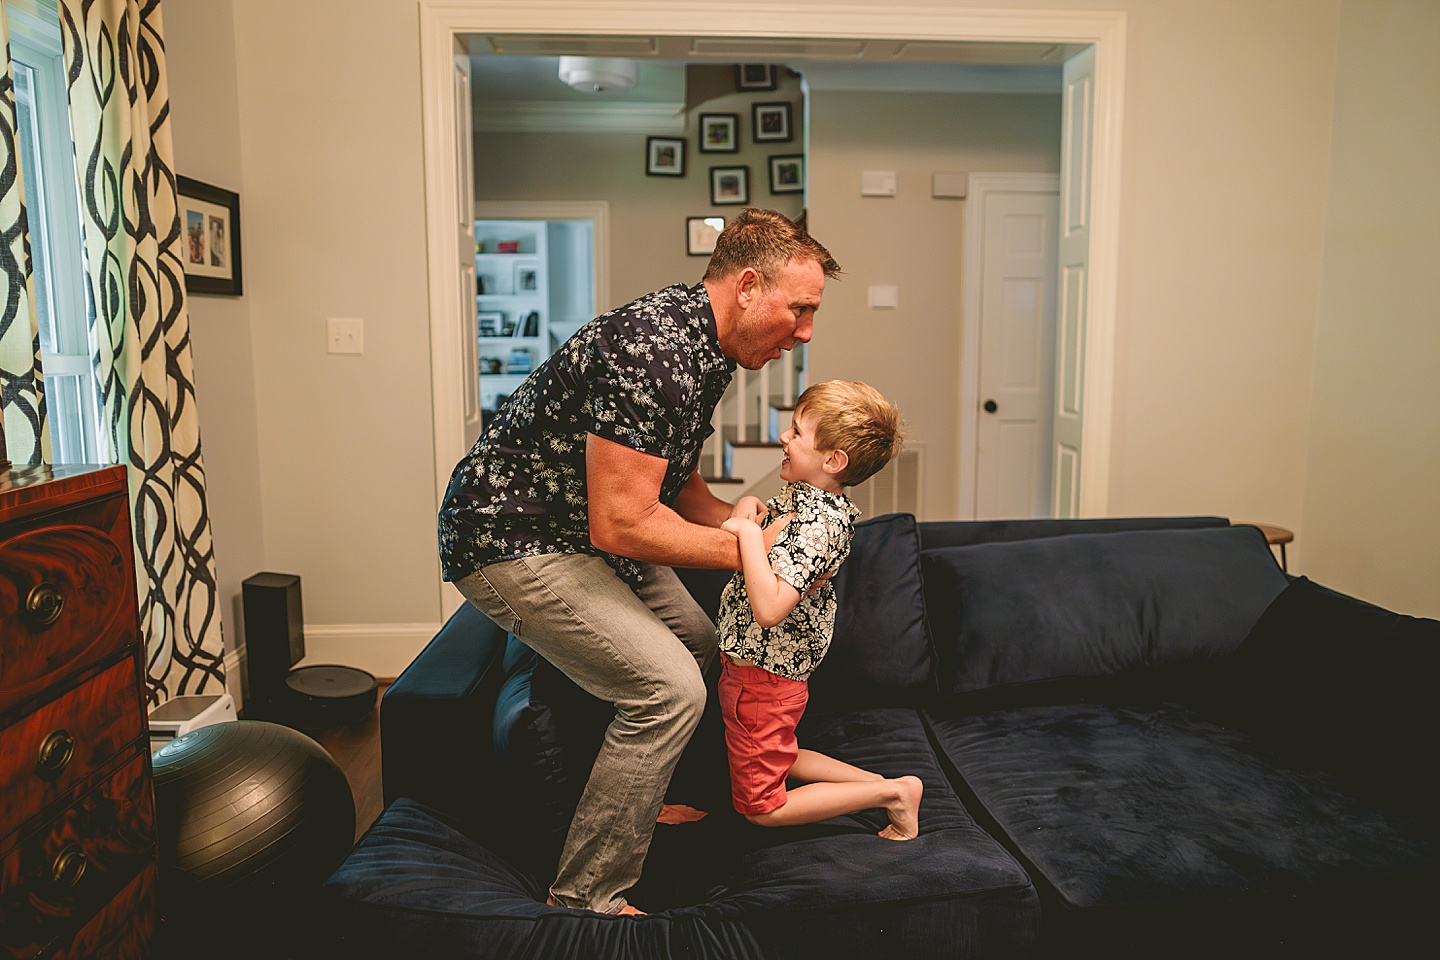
(563, 522)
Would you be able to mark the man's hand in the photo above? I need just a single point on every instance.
(772, 532)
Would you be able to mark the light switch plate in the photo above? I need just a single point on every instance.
(877, 183)
(345, 335)
(884, 297)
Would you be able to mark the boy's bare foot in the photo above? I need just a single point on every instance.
(679, 813)
(625, 911)
(904, 811)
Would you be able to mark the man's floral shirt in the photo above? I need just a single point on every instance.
(647, 375)
(815, 542)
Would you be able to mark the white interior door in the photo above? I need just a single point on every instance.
(1077, 135)
(465, 225)
(1014, 279)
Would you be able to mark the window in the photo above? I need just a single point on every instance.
(52, 204)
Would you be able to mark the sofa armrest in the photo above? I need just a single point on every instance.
(435, 719)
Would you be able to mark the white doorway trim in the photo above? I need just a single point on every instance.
(441, 21)
(978, 185)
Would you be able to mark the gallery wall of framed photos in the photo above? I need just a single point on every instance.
(741, 147)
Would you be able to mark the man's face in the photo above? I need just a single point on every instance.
(779, 315)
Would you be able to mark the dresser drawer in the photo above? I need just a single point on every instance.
(46, 753)
(61, 875)
(124, 929)
(65, 596)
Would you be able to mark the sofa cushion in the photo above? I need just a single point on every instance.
(1093, 605)
(718, 888)
(881, 653)
(1155, 826)
(938, 534)
(1335, 681)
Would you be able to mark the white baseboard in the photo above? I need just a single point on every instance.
(383, 649)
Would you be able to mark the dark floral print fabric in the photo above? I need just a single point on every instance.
(815, 542)
(647, 375)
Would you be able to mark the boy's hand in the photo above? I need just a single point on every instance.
(739, 525)
(750, 508)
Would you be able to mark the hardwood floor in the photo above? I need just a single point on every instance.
(356, 748)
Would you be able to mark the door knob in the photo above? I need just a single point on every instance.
(991, 406)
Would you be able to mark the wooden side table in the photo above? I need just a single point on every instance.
(1273, 535)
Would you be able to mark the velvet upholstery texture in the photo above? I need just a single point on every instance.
(881, 654)
(938, 534)
(1135, 821)
(1090, 605)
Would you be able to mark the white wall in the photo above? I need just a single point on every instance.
(1372, 517)
(911, 240)
(1226, 185)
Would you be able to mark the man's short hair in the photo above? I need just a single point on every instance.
(765, 240)
(854, 417)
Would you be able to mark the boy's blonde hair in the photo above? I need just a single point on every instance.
(854, 417)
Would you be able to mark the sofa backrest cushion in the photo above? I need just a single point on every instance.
(881, 654)
(937, 534)
(1093, 605)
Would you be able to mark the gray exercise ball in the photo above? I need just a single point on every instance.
(249, 803)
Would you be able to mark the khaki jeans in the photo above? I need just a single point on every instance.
(644, 650)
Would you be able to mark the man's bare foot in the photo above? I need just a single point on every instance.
(679, 813)
(625, 911)
(904, 811)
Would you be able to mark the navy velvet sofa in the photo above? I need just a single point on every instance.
(1138, 737)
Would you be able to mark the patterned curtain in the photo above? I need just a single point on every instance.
(23, 431)
(120, 117)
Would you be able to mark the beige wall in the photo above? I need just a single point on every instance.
(1226, 184)
(647, 214)
(911, 240)
(1372, 518)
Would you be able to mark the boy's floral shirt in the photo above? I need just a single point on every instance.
(647, 375)
(815, 542)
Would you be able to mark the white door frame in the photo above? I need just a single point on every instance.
(442, 20)
(977, 186)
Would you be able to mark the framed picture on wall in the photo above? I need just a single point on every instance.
(701, 234)
(719, 132)
(729, 185)
(664, 157)
(787, 174)
(210, 247)
(771, 122)
(754, 76)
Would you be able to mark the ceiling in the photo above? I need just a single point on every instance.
(513, 70)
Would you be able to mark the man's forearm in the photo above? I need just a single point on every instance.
(663, 536)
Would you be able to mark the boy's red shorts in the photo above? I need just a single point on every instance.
(761, 711)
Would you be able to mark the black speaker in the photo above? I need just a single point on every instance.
(274, 637)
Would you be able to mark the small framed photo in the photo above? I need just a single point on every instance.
(719, 132)
(664, 157)
(210, 248)
(772, 122)
(527, 277)
(491, 322)
(787, 174)
(729, 185)
(701, 234)
(754, 76)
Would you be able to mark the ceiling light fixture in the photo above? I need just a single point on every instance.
(599, 74)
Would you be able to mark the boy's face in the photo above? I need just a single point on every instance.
(802, 461)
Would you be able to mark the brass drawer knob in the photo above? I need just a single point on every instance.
(55, 754)
(69, 866)
(43, 605)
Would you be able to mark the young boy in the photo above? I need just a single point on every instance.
(841, 435)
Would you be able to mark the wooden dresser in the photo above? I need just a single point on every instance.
(77, 811)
